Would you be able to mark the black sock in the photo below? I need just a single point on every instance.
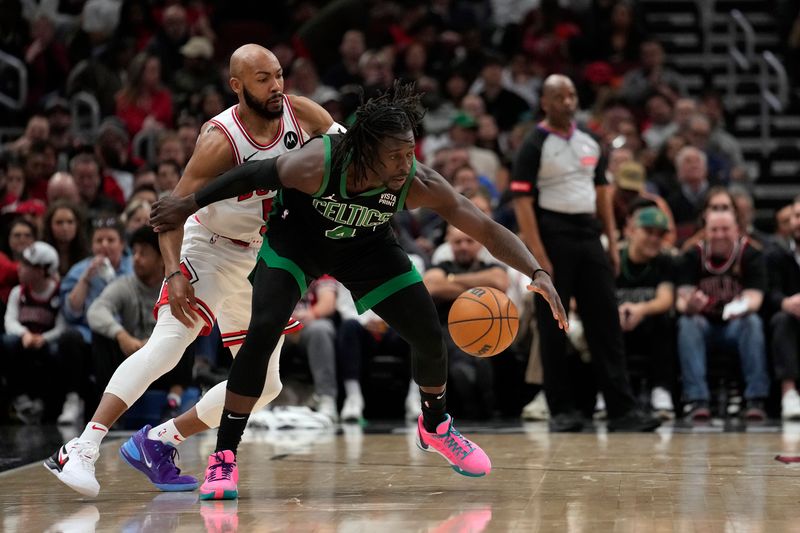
(231, 428)
(433, 409)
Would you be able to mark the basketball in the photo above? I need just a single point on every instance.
(483, 321)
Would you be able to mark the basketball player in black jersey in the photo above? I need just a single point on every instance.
(337, 196)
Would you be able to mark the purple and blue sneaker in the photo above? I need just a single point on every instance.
(156, 460)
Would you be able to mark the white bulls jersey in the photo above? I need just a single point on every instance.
(242, 218)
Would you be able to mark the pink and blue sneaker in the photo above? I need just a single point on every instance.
(464, 456)
(222, 477)
(156, 460)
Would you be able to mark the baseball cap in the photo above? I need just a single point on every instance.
(43, 255)
(198, 47)
(630, 176)
(464, 120)
(651, 217)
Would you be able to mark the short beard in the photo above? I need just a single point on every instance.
(260, 108)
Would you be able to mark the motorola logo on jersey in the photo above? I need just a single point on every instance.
(290, 140)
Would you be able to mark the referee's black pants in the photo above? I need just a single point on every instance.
(582, 270)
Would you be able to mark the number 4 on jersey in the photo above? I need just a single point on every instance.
(340, 232)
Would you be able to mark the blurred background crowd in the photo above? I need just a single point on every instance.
(101, 102)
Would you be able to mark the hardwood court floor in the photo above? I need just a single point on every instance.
(352, 482)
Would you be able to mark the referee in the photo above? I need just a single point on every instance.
(561, 196)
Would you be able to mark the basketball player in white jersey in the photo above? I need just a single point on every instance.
(207, 266)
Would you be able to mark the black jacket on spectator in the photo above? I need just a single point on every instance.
(784, 277)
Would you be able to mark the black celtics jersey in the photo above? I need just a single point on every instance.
(331, 213)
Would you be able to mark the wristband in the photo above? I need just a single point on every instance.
(177, 272)
(540, 270)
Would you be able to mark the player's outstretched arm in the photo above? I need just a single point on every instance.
(431, 190)
(300, 169)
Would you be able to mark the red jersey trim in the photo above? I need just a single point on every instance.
(273, 142)
(230, 140)
(295, 122)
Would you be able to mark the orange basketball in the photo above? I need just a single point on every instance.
(483, 321)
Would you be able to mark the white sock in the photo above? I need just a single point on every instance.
(352, 387)
(166, 433)
(95, 432)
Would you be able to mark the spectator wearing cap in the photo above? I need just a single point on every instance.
(721, 285)
(59, 117)
(463, 133)
(40, 351)
(783, 299)
(629, 192)
(645, 287)
(197, 72)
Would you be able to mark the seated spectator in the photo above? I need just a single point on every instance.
(663, 176)
(784, 299)
(46, 58)
(144, 193)
(198, 71)
(171, 148)
(720, 141)
(65, 230)
(783, 226)
(143, 103)
(346, 71)
(629, 191)
(304, 81)
(660, 124)
(652, 76)
(168, 173)
(39, 163)
(746, 213)
(188, 131)
(41, 353)
(112, 150)
(717, 199)
(98, 194)
(359, 340)
(36, 130)
(471, 378)
(721, 284)
(87, 278)
(698, 133)
(123, 314)
(14, 190)
(506, 106)
(686, 203)
(62, 187)
(645, 286)
(21, 234)
(317, 310)
(136, 215)
(59, 117)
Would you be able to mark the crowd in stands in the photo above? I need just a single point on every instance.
(707, 301)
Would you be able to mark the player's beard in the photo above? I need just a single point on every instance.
(260, 107)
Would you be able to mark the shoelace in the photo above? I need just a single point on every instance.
(457, 443)
(226, 468)
(87, 454)
(170, 460)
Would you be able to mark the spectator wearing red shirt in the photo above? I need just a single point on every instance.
(143, 102)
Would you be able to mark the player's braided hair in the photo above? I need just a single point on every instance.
(390, 114)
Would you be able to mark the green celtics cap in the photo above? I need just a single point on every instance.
(651, 217)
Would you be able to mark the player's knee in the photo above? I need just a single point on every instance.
(428, 340)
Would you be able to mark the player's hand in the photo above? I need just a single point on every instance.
(542, 284)
(128, 343)
(170, 212)
(182, 302)
(28, 340)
